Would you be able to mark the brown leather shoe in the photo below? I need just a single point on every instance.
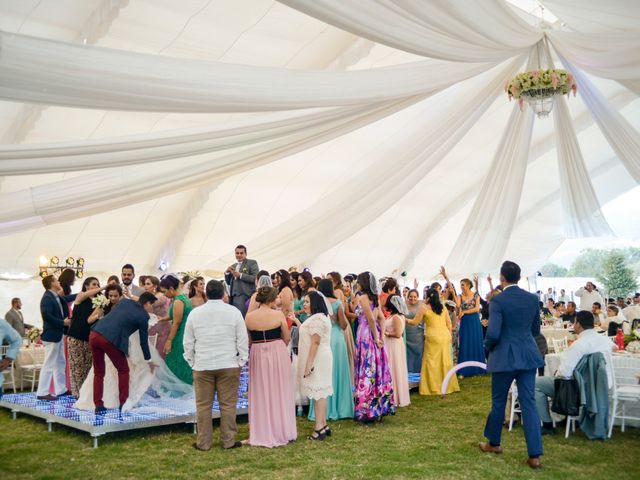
(488, 448)
(534, 463)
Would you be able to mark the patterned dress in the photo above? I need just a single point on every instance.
(373, 386)
(175, 358)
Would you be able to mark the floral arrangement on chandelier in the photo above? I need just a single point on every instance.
(540, 84)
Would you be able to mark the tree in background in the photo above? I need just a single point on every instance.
(553, 270)
(618, 279)
(590, 262)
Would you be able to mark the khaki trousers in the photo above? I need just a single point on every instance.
(206, 383)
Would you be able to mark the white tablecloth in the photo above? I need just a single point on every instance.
(620, 360)
(557, 333)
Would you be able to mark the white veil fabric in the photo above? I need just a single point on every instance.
(373, 284)
(265, 281)
(398, 302)
(148, 391)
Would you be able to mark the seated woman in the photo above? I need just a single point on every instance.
(272, 419)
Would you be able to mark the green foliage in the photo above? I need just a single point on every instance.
(430, 439)
(553, 270)
(590, 262)
(617, 277)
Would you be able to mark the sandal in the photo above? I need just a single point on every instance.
(326, 430)
(320, 435)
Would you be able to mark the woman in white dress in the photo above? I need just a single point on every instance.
(315, 361)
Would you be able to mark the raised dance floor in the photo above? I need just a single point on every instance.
(154, 413)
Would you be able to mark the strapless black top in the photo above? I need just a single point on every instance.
(265, 335)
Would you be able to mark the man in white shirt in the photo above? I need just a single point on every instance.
(588, 342)
(598, 315)
(588, 296)
(632, 311)
(563, 297)
(549, 295)
(216, 346)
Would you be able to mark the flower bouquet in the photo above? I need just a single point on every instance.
(99, 301)
(33, 334)
(538, 84)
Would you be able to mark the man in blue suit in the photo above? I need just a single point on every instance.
(55, 320)
(110, 336)
(514, 321)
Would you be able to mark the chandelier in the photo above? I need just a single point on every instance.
(539, 88)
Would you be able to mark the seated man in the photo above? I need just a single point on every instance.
(588, 342)
(569, 314)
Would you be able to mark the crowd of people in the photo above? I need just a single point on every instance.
(343, 344)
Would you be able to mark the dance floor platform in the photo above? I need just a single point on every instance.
(154, 413)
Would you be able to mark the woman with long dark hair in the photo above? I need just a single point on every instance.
(436, 361)
(396, 349)
(78, 335)
(373, 386)
(285, 295)
(471, 346)
(160, 310)
(315, 361)
(178, 313)
(340, 404)
(196, 292)
(339, 290)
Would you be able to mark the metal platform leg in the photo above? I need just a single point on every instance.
(50, 425)
(95, 439)
(14, 414)
(195, 428)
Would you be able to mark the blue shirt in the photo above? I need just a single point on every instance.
(7, 332)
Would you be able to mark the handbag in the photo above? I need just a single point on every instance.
(566, 400)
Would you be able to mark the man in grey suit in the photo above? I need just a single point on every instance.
(14, 317)
(127, 275)
(241, 278)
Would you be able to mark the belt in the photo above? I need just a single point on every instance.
(266, 341)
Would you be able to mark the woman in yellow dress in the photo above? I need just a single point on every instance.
(436, 360)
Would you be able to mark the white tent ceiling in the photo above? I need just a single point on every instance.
(197, 227)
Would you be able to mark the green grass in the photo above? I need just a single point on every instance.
(432, 438)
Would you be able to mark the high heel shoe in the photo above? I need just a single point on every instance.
(326, 430)
(320, 435)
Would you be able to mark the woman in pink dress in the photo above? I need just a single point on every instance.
(396, 350)
(272, 414)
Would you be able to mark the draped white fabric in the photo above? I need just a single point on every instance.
(369, 194)
(582, 214)
(485, 235)
(448, 29)
(194, 126)
(622, 137)
(614, 55)
(57, 73)
(116, 187)
(591, 16)
(136, 149)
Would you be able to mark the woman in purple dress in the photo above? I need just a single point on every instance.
(373, 386)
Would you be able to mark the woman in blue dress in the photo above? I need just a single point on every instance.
(471, 346)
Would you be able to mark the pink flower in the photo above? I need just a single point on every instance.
(554, 80)
(535, 74)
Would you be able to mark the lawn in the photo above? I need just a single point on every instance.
(432, 438)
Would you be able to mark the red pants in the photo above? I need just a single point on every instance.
(99, 347)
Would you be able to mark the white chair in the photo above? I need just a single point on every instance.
(559, 344)
(515, 404)
(625, 390)
(9, 376)
(30, 369)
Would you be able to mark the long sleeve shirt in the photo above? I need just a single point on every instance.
(215, 337)
(588, 342)
(587, 299)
